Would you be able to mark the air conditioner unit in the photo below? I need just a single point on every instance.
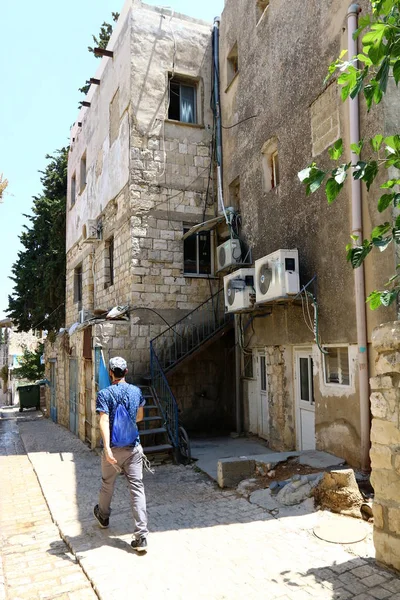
(277, 276)
(229, 253)
(239, 290)
(91, 231)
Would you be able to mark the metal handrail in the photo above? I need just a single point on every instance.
(189, 313)
(164, 398)
(191, 331)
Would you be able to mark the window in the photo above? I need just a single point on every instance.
(73, 189)
(182, 101)
(197, 254)
(83, 173)
(78, 285)
(337, 365)
(261, 7)
(109, 263)
(270, 165)
(248, 365)
(263, 374)
(233, 64)
(234, 194)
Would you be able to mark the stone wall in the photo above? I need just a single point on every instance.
(58, 352)
(205, 396)
(282, 430)
(385, 443)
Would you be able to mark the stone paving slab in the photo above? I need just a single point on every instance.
(35, 563)
(205, 543)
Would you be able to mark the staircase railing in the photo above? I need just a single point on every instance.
(177, 342)
(190, 332)
(165, 398)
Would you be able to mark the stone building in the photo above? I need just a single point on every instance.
(138, 178)
(278, 116)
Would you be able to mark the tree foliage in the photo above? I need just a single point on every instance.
(30, 365)
(368, 74)
(39, 272)
(100, 42)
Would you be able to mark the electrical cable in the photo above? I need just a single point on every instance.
(239, 122)
(48, 316)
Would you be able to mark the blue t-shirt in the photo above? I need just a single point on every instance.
(130, 395)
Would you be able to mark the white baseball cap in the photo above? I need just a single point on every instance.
(117, 362)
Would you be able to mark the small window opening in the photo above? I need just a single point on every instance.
(261, 7)
(337, 366)
(270, 165)
(83, 173)
(73, 189)
(78, 280)
(233, 64)
(197, 253)
(248, 365)
(234, 194)
(182, 101)
(109, 263)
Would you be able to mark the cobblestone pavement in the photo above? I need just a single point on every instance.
(35, 563)
(204, 544)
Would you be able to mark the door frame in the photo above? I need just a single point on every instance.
(53, 389)
(259, 352)
(297, 352)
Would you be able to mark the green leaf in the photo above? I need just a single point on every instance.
(371, 171)
(396, 233)
(363, 22)
(316, 181)
(396, 71)
(390, 184)
(380, 230)
(388, 296)
(383, 74)
(382, 243)
(363, 58)
(336, 151)
(356, 148)
(358, 254)
(376, 142)
(359, 169)
(369, 91)
(385, 201)
(392, 144)
(304, 174)
(374, 300)
(332, 189)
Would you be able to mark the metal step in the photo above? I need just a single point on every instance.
(152, 431)
(156, 449)
(150, 419)
(149, 406)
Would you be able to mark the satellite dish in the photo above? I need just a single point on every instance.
(264, 278)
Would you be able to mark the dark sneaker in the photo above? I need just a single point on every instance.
(104, 523)
(140, 545)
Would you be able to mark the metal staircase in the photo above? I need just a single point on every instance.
(168, 351)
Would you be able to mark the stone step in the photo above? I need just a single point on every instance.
(156, 449)
(152, 431)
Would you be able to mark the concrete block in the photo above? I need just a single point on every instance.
(231, 471)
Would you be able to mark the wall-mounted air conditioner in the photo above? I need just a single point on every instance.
(91, 232)
(239, 290)
(229, 253)
(277, 276)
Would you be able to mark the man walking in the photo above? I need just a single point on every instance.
(121, 398)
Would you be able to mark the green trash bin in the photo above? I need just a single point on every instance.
(29, 396)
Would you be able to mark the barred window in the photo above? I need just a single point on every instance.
(337, 368)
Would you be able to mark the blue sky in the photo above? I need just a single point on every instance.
(43, 62)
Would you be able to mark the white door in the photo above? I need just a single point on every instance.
(305, 404)
(262, 396)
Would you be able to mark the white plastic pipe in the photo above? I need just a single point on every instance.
(359, 283)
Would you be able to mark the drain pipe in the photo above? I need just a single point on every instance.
(218, 145)
(359, 282)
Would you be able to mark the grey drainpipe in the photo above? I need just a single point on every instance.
(359, 280)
